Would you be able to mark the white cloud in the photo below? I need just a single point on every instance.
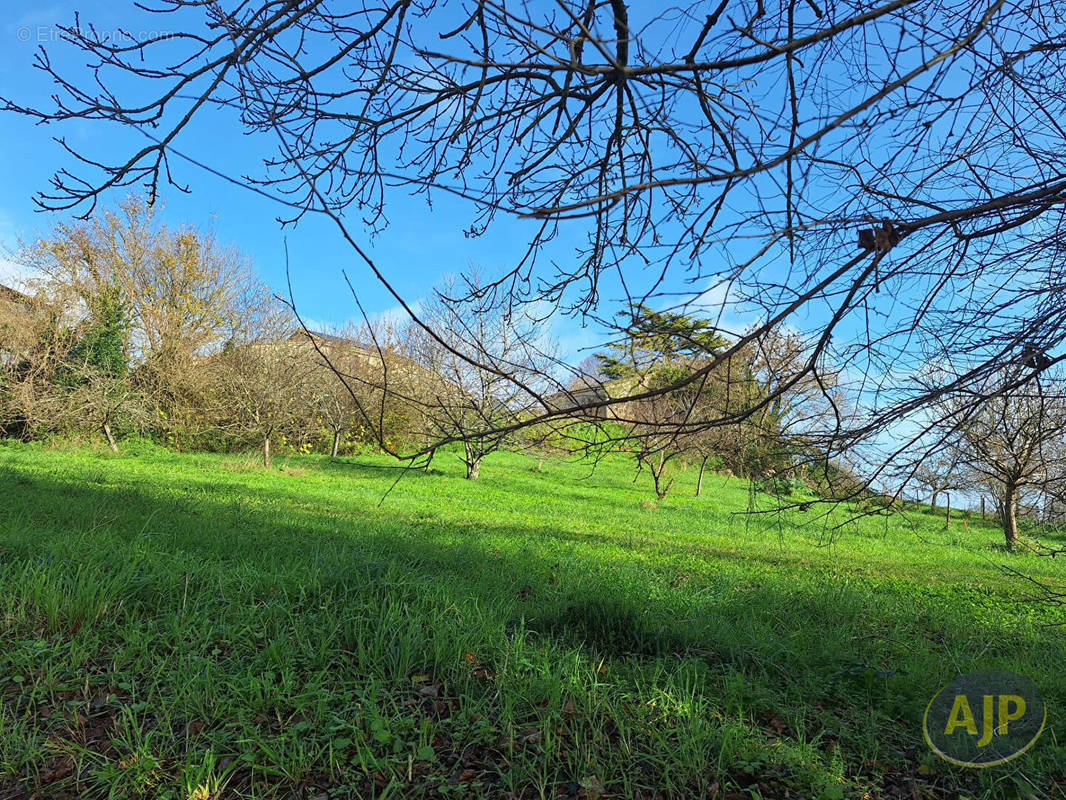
(716, 303)
(394, 317)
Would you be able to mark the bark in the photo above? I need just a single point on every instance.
(106, 428)
(1010, 515)
(661, 489)
(699, 480)
(267, 459)
(473, 468)
(336, 444)
(472, 461)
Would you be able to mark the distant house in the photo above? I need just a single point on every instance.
(328, 341)
(16, 316)
(340, 349)
(588, 401)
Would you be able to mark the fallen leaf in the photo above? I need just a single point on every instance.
(591, 788)
(58, 772)
(529, 736)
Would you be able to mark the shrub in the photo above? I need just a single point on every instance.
(778, 485)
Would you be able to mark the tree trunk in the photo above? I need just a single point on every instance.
(1010, 515)
(982, 506)
(661, 488)
(473, 462)
(336, 444)
(106, 428)
(699, 480)
(473, 468)
(267, 461)
(932, 503)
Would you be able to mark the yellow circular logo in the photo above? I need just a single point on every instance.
(984, 718)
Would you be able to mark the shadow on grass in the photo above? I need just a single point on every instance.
(542, 576)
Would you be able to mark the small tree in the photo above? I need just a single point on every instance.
(942, 472)
(653, 424)
(489, 367)
(348, 386)
(334, 407)
(1011, 439)
(262, 380)
(659, 350)
(78, 376)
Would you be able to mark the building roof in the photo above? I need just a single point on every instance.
(13, 295)
(301, 333)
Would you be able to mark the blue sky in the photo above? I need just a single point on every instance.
(419, 247)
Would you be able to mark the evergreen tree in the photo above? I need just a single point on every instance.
(659, 346)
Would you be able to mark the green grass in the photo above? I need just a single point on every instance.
(192, 626)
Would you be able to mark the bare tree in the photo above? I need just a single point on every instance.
(919, 208)
(352, 390)
(487, 366)
(261, 381)
(333, 404)
(1012, 439)
(943, 472)
(90, 398)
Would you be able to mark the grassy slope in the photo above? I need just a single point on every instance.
(172, 623)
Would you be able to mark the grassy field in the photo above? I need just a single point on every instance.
(192, 626)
